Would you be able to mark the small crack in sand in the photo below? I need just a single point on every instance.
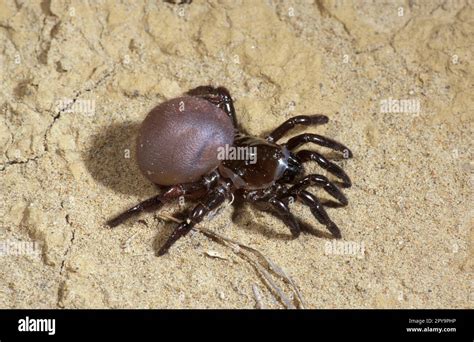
(56, 117)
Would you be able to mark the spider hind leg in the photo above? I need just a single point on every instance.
(215, 199)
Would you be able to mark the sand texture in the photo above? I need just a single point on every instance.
(78, 77)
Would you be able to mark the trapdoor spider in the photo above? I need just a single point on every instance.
(179, 147)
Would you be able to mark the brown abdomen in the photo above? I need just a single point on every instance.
(179, 139)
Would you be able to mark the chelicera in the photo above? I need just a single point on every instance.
(178, 149)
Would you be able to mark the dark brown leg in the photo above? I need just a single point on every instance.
(320, 181)
(216, 198)
(304, 120)
(319, 212)
(336, 170)
(219, 96)
(319, 140)
(180, 2)
(156, 202)
(283, 211)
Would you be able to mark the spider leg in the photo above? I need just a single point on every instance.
(156, 202)
(335, 169)
(319, 212)
(181, 2)
(219, 96)
(305, 120)
(320, 181)
(283, 211)
(319, 140)
(215, 199)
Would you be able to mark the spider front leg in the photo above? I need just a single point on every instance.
(304, 120)
(219, 96)
(336, 170)
(319, 140)
(215, 199)
(156, 202)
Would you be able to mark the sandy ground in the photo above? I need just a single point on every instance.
(78, 77)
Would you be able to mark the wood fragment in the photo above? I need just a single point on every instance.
(214, 254)
(264, 267)
(258, 297)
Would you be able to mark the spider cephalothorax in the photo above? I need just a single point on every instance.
(180, 147)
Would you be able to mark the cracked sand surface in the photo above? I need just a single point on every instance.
(64, 169)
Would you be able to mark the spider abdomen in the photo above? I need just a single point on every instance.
(179, 140)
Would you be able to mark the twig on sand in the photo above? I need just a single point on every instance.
(258, 296)
(265, 268)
